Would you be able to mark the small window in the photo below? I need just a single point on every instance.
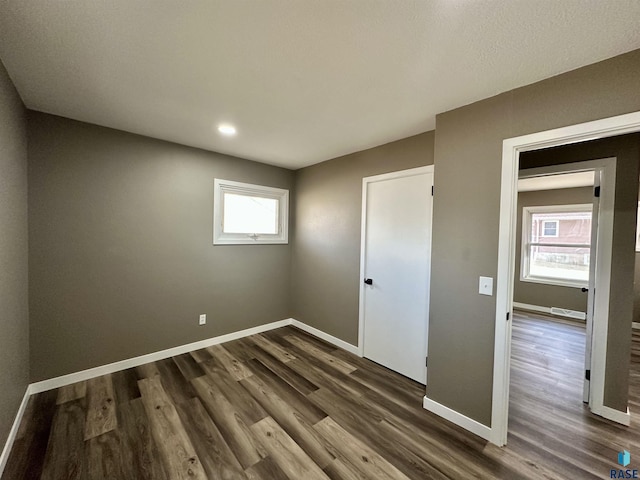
(550, 228)
(244, 213)
(556, 245)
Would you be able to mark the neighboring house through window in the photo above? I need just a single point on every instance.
(556, 244)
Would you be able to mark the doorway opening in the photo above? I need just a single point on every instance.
(512, 149)
(558, 259)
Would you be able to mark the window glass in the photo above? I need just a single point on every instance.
(249, 214)
(556, 244)
(568, 263)
(562, 227)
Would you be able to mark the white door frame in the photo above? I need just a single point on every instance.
(363, 230)
(511, 149)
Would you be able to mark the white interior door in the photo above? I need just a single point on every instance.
(394, 309)
(592, 283)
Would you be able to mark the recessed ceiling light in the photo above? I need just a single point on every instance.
(226, 129)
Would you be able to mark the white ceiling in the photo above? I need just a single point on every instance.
(302, 80)
(554, 182)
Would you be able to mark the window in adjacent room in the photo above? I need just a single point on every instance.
(244, 213)
(556, 244)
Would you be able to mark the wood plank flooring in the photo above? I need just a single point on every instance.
(285, 405)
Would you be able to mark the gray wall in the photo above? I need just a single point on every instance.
(326, 249)
(468, 157)
(538, 293)
(121, 255)
(14, 316)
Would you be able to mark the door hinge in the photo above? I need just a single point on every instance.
(587, 374)
(426, 361)
(596, 191)
(508, 316)
(432, 190)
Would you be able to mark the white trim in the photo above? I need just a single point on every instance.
(326, 337)
(281, 195)
(532, 308)
(363, 237)
(511, 149)
(6, 451)
(563, 312)
(410, 172)
(553, 282)
(638, 229)
(71, 378)
(635, 325)
(581, 132)
(457, 418)
(613, 415)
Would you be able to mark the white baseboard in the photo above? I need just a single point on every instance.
(532, 308)
(636, 325)
(614, 415)
(58, 382)
(455, 417)
(4, 457)
(562, 312)
(325, 336)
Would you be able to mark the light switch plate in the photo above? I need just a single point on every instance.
(486, 286)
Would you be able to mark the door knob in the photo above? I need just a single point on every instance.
(584, 290)
(368, 281)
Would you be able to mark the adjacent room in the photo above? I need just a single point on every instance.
(284, 240)
(551, 285)
(553, 316)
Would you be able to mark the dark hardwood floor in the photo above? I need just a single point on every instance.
(285, 405)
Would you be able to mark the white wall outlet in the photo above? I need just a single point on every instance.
(203, 319)
(486, 286)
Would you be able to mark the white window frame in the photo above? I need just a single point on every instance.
(638, 230)
(220, 187)
(526, 235)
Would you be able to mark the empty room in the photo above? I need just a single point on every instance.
(319, 240)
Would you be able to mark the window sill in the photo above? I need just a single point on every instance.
(250, 241)
(555, 282)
